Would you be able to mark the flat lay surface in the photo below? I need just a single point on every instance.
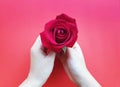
(98, 23)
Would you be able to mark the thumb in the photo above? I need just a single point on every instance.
(77, 47)
(70, 52)
(51, 54)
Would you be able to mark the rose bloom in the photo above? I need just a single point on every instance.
(59, 33)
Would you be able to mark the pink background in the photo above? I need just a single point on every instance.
(98, 21)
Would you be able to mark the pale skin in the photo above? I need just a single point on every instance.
(42, 66)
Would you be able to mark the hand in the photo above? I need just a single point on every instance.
(74, 64)
(41, 66)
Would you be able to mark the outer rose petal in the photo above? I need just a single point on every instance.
(47, 43)
(66, 18)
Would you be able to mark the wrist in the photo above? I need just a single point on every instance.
(31, 83)
(85, 79)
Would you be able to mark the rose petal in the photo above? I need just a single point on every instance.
(66, 18)
(55, 41)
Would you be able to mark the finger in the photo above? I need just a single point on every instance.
(77, 47)
(63, 58)
(50, 58)
(79, 50)
(70, 51)
(37, 44)
(68, 72)
(51, 54)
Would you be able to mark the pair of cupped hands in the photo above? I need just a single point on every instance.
(42, 66)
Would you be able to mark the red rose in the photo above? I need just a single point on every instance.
(59, 33)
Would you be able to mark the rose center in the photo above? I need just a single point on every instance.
(60, 35)
(60, 31)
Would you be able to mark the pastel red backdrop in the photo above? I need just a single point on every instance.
(98, 22)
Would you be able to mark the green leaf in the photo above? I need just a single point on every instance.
(64, 49)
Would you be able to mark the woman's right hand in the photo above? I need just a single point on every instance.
(74, 65)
